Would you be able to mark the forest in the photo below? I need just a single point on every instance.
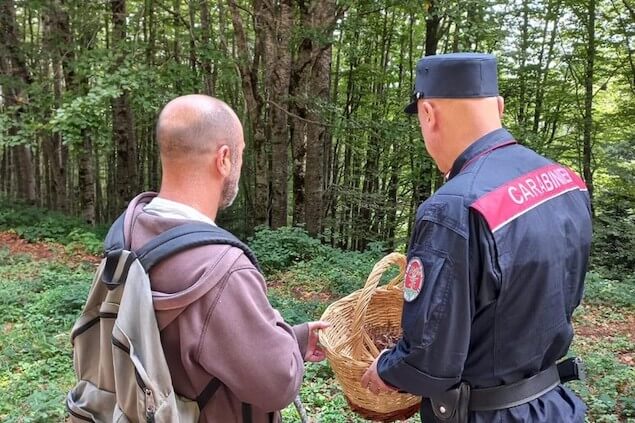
(319, 85)
(333, 170)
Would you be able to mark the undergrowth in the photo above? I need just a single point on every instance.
(39, 301)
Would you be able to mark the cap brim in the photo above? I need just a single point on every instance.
(411, 108)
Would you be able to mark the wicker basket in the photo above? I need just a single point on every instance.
(350, 349)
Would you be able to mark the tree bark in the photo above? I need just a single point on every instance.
(278, 23)
(522, 72)
(248, 68)
(587, 155)
(208, 82)
(122, 117)
(193, 59)
(13, 64)
(299, 80)
(298, 146)
(86, 177)
(57, 41)
(433, 21)
(5, 172)
(544, 69)
(320, 84)
(80, 84)
(311, 84)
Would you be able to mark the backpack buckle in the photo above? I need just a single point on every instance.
(118, 263)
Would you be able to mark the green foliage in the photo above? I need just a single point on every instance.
(295, 311)
(35, 224)
(36, 315)
(306, 261)
(620, 293)
(341, 272)
(88, 113)
(39, 302)
(614, 237)
(278, 249)
(322, 398)
(609, 391)
(87, 240)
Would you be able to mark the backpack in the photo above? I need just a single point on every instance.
(118, 359)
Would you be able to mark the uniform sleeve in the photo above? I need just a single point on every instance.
(430, 356)
(249, 347)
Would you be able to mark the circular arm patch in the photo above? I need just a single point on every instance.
(414, 279)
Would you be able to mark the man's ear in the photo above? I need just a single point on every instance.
(501, 106)
(223, 161)
(427, 114)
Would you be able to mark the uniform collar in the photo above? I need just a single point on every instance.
(488, 142)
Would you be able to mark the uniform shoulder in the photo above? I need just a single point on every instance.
(446, 207)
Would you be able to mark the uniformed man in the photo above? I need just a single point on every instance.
(496, 263)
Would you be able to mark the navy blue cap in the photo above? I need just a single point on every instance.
(454, 75)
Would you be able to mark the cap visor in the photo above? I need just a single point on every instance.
(411, 108)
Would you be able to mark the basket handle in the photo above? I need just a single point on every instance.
(359, 338)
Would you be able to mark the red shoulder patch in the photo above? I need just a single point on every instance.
(517, 197)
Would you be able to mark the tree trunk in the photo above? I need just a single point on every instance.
(248, 68)
(320, 84)
(587, 156)
(333, 183)
(100, 211)
(433, 21)
(151, 24)
(13, 64)
(277, 73)
(176, 4)
(311, 84)
(540, 92)
(87, 180)
(301, 71)
(298, 145)
(57, 41)
(208, 82)
(5, 172)
(522, 72)
(122, 117)
(345, 227)
(193, 58)
(80, 84)
(25, 172)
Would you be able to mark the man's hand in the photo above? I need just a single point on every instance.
(372, 381)
(314, 352)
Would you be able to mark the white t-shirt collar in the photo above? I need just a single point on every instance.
(173, 210)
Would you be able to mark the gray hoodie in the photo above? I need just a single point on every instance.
(216, 321)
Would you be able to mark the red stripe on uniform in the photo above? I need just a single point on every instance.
(522, 194)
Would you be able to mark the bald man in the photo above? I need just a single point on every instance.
(496, 264)
(222, 340)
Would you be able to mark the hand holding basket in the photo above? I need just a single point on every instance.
(351, 349)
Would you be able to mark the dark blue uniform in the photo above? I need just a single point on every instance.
(504, 247)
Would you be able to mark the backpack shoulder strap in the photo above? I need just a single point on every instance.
(186, 236)
(181, 238)
(173, 241)
(115, 238)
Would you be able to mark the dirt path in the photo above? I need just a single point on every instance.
(603, 322)
(48, 251)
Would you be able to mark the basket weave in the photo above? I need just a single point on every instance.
(350, 349)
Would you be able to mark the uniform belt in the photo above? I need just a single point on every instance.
(523, 391)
